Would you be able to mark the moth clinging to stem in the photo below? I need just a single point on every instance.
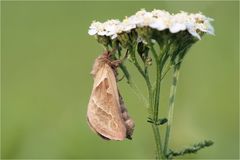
(106, 114)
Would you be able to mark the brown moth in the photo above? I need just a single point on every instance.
(106, 114)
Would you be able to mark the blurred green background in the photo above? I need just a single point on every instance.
(45, 63)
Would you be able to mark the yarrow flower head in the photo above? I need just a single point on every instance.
(160, 20)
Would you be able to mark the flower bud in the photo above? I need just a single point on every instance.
(104, 40)
(142, 50)
(145, 33)
(123, 39)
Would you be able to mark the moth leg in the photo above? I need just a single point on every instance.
(116, 63)
(119, 79)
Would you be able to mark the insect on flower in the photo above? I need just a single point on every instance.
(106, 114)
(156, 37)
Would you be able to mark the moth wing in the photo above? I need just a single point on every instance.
(104, 112)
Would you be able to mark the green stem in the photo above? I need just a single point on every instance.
(150, 93)
(144, 75)
(154, 52)
(169, 66)
(171, 106)
(158, 142)
(157, 92)
(157, 136)
(158, 82)
(155, 104)
(135, 62)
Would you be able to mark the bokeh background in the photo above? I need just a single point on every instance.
(45, 82)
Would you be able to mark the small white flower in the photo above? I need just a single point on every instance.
(160, 13)
(141, 13)
(179, 22)
(158, 24)
(199, 22)
(161, 19)
(142, 18)
(126, 26)
(192, 30)
(110, 27)
(94, 28)
(107, 28)
(203, 23)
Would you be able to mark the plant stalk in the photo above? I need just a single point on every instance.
(155, 104)
(171, 106)
(157, 137)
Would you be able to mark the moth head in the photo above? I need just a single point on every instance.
(101, 60)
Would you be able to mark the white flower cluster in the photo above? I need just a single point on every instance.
(157, 19)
